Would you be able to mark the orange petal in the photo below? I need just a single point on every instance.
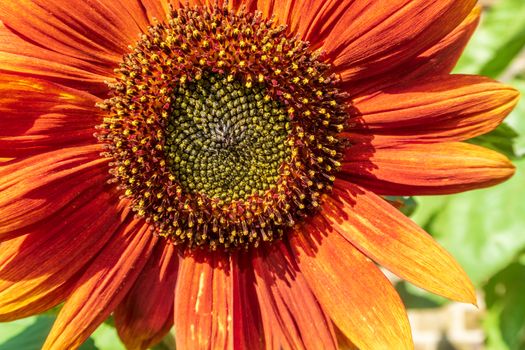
(436, 109)
(103, 285)
(39, 186)
(439, 59)
(47, 296)
(443, 56)
(157, 9)
(343, 341)
(374, 36)
(38, 116)
(32, 282)
(394, 241)
(312, 20)
(95, 31)
(248, 330)
(265, 6)
(353, 291)
(315, 21)
(424, 169)
(145, 315)
(18, 56)
(292, 316)
(203, 301)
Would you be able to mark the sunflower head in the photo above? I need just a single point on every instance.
(223, 128)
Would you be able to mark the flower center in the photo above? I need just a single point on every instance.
(223, 130)
(225, 140)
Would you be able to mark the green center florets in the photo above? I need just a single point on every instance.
(226, 140)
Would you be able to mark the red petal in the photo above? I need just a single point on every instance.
(312, 20)
(39, 186)
(97, 31)
(248, 330)
(343, 341)
(353, 291)
(102, 287)
(145, 315)
(394, 241)
(440, 59)
(414, 169)
(203, 301)
(18, 56)
(157, 9)
(32, 282)
(376, 36)
(437, 109)
(292, 316)
(38, 116)
(76, 42)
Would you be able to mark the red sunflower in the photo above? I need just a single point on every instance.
(233, 186)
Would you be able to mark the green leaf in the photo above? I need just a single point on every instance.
(106, 338)
(498, 41)
(168, 343)
(511, 49)
(483, 229)
(30, 334)
(501, 139)
(31, 337)
(407, 205)
(10, 329)
(417, 298)
(505, 320)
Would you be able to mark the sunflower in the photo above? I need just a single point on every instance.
(221, 167)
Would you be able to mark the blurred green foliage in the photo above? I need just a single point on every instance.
(483, 229)
(497, 42)
(30, 333)
(505, 319)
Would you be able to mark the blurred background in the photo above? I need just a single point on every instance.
(484, 229)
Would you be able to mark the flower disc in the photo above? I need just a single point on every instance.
(223, 128)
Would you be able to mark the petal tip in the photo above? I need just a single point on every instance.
(471, 298)
(508, 170)
(510, 96)
(465, 292)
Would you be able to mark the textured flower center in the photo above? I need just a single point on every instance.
(225, 140)
(222, 128)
